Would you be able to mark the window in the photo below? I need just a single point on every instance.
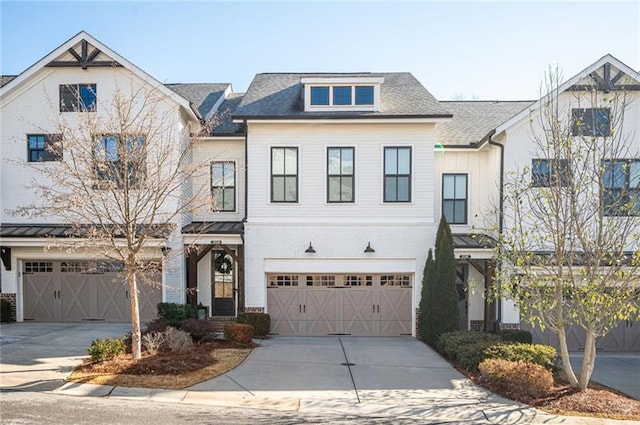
(284, 174)
(342, 95)
(454, 198)
(364, 95)
(397, 174)
(78, 97)
(622, 187)
(549, 172)
(591, 122)
(319, 95)
(223, 185)
(122, 162)
(44, 147)
(283, 280)
(340, 181)
(395, 280)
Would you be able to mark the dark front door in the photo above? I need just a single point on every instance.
(223, 291)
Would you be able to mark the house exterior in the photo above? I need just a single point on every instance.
(326, 190)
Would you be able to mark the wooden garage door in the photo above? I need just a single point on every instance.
(359, 305)
(80, 290)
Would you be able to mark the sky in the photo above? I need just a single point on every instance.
(458, 50)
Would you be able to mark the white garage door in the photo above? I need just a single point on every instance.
(328, 304)
(70, 291)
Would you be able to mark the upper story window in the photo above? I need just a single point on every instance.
(549, 172)
(340, 174)
(397, 174)
(621, 181)
(284, 174)
(78, 97)
(223, 185)
(342, 93)
(119, 161)
(591, 122)
(44, 147)
(454, 198)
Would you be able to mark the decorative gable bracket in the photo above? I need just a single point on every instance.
(605, 82)
(83, 59)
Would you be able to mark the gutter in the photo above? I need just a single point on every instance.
(500, 216)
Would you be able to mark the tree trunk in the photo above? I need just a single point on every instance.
(564, 355)
(588, 359)
(136, 348)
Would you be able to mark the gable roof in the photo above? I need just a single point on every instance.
(116, 59)
(474, 120)
(578, 80)
(205, 96)
(280, 96)
(4, 79)
(225, 126)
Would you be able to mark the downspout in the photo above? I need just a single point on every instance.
(246, 208)
(500, 218)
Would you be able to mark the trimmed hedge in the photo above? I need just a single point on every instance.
(238, 333)
(516, 335)
(540, 354)
(175, 313)
(200, 330)
(105, 349)
(261, 322)
(450, 343)
(516, 378)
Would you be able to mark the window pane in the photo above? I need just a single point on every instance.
(364, 95)
(390, 189)
(461, 186)
(460, 214)
(447, 208)
(347, 189)
(229, 199)
(217, 199)
(634, 203)
(614, 176)
(403, 189)
(319, 95)
(291, 161)
(634, 175)
(277, 161)
(229, 174)
(342, 95)
(88, 97)
(347, 161)
(404, 161)
(277, 189)
(334, 161)
(291, 189)
(68, 98)
(334, 189)
(111, 148)
(216, 174)
(448, 186)
(390, 161)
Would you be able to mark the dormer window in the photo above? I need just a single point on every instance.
(342, 93)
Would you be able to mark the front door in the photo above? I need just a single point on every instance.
(223, 291)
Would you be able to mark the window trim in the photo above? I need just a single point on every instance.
(626, 191)
(272, 175)
(352, 175)
(76, 89)
(47, 156)
(385, 175)
(466, 198)
(223, 187)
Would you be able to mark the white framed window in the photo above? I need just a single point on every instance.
(223, 186)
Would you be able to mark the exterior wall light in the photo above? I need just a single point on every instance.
(368, 249)
(310, 250)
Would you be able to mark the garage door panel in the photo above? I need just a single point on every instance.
(113, 303)
(78, 298)
(395, 304)
(150, 296)
(41, 300)
(283, 306)
(320, 311)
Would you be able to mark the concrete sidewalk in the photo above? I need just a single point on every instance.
(369, 377)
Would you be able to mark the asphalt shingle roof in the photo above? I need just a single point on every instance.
(4, 79)
(226, 126)
(473, 120)
(280, 95)
(202, 95)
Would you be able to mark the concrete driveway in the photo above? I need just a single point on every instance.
(38, 356)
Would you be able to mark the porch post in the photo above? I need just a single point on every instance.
(489, 304)
(192, 277)
(240, 262)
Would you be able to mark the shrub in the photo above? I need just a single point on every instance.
(105, 349)
(516, 335)
(177, 340)
(517, 379)
(6, 311)
(540, 354)
(200, 330)
(470, 356)
(261, 322)
(152, 341)
(156, 325)
(175, 313)
(449, 343)
(239, 333)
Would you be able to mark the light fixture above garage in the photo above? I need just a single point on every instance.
(369, 249)
(310, 250)
(165, 250)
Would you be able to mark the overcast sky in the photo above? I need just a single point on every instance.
(484, 50)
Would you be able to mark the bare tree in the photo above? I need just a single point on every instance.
(122, 182)
(570, 246)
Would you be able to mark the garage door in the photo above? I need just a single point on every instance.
(624, 337)
(327, 304)
(72, 291)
